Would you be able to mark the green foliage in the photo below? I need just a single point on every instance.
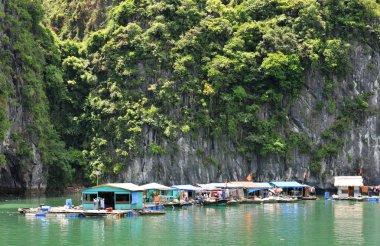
(315, 167)
(122, 12)
(335, 56)
(3, 160)
(127, 68)
(156, 149)
(285, 70)
(299, 141)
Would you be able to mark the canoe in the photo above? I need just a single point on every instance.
(152, 212)
(309, 198)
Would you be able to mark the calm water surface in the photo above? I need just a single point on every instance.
(304, 223)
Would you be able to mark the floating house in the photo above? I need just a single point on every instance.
(153, 192)
(184, 192)
(291, 188)
(260, 189)
(348, 186)
(118, 196)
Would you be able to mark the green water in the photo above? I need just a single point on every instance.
(304, 223)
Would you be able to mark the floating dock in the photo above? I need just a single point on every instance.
(78, 213)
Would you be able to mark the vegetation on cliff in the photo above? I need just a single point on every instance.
(223, 68)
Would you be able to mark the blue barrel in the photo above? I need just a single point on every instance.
(69, 203)
(45, 208)
(327, 195)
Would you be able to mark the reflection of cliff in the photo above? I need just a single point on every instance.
(348, 223)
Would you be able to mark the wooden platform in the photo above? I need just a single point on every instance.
(78, 212)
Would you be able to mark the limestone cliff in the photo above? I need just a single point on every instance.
(203, 159)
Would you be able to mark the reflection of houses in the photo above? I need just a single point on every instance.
(153, 191)
(123, 196)
(290, 188)
(348, 186)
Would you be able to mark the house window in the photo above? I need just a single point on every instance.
(89, 198)
(123, 198)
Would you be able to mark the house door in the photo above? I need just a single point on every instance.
(350, 191)
(109, 199)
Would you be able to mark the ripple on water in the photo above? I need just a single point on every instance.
(304, 223)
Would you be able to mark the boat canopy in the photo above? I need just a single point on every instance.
(288, 184)
(186, 187)
(340, 181)
(155, 186)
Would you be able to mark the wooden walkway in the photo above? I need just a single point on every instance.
(77, 212)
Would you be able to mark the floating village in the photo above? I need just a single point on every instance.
(127, 199)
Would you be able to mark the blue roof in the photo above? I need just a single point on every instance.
(185, 187)
(263, 186)
(288, 184)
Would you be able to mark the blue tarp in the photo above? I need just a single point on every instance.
(264, 186)
(135, 197)
(186, 187)
(255, 189)
(288, 184)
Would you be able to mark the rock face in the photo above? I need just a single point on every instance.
(201, 159)
(196, 160)
(18, 174)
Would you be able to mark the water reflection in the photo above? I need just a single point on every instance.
(303, 223)
(348, 223)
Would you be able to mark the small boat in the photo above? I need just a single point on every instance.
(214, 202)
(178, 204)
(286, 200)
(247, 201)
(233, 203)
(152, 212)
(269, 200)
(309, 198)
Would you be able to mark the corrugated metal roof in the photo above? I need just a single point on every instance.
(155, 186)
(348, 181)
(185, 187)
(220, 185)
(252, 185)
(263, 185)
(288, 184)
(125, 186)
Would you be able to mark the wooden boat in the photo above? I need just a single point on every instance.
(177, 204)
(286, 200)
(269, 200)
(355, 199)
(214, 202)
(233, 203)
(309, 198)
(152, 212)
